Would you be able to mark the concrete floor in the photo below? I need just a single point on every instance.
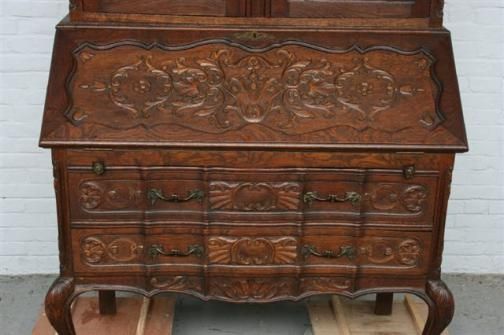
(479, 310)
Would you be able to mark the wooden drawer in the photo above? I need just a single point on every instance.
(214, 195)
(250, 251)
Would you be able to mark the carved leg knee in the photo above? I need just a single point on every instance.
(57, 305)
(441, 307)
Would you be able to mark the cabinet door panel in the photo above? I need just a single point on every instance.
(351, 8)
(163, 7)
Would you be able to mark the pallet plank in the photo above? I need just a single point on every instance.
(345, 317)
(134, 317)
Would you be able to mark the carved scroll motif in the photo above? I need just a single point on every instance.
(216, 88)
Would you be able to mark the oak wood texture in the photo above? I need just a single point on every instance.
(135, 316)
(252, 151)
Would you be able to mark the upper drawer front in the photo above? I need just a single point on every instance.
(289, 94)
(165, 7)
(217, 195)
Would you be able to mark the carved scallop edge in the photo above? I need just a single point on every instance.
(149, 46)
(351, 294)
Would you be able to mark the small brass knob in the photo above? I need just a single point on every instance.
(98, 168)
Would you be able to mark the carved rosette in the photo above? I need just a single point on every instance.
(409, 252)
(292, 90)
(95, 251)
(90, 195)
(251, 196)
(252, 251)
(413, 198)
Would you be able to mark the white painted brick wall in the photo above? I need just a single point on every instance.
(475, 228)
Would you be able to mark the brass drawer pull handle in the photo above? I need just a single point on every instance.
(155, 194)
(352, 197)
(156, 250)
(344, 251)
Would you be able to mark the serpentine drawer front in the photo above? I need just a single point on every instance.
(252, 151)
(285, 195)
(183, 249)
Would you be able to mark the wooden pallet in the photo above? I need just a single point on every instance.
(344, 317)
(135, 316)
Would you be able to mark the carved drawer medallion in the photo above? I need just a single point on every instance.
(255, 196)
(252, 251)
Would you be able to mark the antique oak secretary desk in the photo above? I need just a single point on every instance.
(252, 150)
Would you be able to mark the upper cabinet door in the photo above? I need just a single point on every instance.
(351, 8)
(161, 7)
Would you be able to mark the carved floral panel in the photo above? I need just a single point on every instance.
(252, 251)
(281, 93)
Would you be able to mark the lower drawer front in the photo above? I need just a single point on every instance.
(190, 250)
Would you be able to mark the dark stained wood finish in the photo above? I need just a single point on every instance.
(107, 302)
(384, 303)
(252, 151)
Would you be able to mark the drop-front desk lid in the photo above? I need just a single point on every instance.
(225, 93)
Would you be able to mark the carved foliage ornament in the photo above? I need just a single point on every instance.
(217, 88)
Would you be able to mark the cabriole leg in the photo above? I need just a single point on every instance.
(441, 307)
(57, 305)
